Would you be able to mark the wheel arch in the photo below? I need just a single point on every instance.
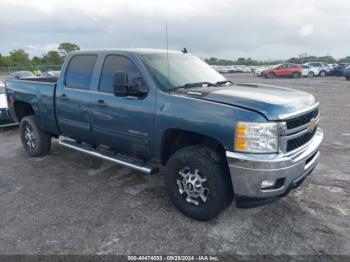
(22, 109)
(173, 139)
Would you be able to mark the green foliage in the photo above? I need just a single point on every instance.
(53, 58)
(296, 60)
(65, 48)
(325, 59)
(345, 60)
(239, 61)
(19, 57)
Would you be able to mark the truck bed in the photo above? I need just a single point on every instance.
(40, 94)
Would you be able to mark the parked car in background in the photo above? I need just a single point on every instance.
(339, 69)
(309, 71)
(50, 74)
(347, 72)
(283, 70)
(323, 68)
(5, 118)
(222, 69)
(21, 75)
(258, 71)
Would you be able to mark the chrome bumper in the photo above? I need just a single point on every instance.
(249, 170)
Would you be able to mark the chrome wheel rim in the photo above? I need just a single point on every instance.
(193, 186)
(29, 138)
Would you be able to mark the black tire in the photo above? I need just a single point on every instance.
(296, 75)
(212, 168)
(271, 75)
(310, 74)
(347, 78)
(41, 141)
(323, 73)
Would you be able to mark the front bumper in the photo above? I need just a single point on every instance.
(289, 170)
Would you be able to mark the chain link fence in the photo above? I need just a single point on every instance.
(43, 68)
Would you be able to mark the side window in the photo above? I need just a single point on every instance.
(112, 64)
(80, 70)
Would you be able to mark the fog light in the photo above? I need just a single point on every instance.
(267, 183)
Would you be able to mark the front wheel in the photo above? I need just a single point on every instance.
(35, 141)
(271, 75)
(311, 74)
(198, 183)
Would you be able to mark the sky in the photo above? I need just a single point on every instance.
(260, 29)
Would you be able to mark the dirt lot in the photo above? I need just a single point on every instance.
(70, 203)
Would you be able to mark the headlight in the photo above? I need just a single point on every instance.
(256, 137)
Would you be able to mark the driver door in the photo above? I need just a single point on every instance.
(126, 124)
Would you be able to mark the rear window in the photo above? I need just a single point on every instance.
(79, 72)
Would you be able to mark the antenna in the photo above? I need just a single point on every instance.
(167, 49)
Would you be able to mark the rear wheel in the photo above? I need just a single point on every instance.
(323, 73)
(35, 141)
(295, 75)
(198, 183)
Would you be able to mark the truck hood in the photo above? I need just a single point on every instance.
(271, 101)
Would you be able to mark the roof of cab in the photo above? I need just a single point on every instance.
(138, 51)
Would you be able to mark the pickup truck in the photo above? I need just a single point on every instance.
(146, 108)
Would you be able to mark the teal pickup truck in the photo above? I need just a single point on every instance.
(143, 108)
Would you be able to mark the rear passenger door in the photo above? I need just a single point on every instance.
(73, 98)
(125, 124)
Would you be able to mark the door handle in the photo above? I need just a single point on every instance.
(64, 97)
(101, 103)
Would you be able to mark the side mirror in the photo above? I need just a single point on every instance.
(120, 84)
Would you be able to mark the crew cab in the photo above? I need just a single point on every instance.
(283, 70)
(143, 108)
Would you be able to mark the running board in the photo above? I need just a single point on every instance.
(107, 156)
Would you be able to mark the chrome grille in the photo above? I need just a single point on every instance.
(299, 141)
(301, 120)
(296, 130)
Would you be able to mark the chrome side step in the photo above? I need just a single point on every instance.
(107, 156)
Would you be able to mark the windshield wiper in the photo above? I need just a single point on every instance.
(225, 82)
(196, 84)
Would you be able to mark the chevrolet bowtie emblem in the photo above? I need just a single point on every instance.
(312, 125)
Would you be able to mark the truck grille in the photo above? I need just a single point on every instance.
(299, 141)
(297, 132)
(301, 120)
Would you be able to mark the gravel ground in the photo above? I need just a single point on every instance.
(70, 203)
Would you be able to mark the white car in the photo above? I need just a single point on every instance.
(259, 70)
(309, 71)
(5, 119)
(323, 68)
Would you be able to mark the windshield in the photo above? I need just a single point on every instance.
(183, 69)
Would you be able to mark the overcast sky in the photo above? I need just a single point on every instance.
(221, 28)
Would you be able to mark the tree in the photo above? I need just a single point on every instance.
(36, 60)
(65, 48)
(53, 58)
(345, 60)
(19, 57)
